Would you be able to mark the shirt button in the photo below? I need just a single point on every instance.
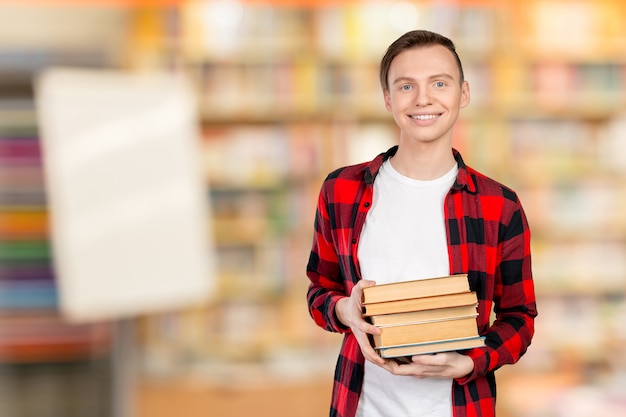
(367, 204)
(354, 240)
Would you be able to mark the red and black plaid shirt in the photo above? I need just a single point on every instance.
(488, 238)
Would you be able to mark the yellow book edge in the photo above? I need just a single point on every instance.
(432, 347)
(394, 291)
(408, 323)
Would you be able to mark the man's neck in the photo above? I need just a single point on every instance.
(423, 161)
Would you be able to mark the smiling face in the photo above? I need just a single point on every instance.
(425, 94)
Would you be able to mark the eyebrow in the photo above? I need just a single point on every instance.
(435, 76)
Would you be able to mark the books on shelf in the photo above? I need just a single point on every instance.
(40, 335)
(423, 316)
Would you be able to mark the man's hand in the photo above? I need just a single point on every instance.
(439, 365)
(349, 312)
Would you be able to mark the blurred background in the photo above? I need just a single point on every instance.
(288, 91)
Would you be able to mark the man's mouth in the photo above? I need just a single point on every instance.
(424, 116)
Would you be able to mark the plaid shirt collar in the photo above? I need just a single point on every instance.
(463, 179)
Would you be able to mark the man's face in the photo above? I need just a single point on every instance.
(425, 93)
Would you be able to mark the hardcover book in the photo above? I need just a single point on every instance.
(416, 288)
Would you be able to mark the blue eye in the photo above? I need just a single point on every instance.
(406, 87)
(440, 84)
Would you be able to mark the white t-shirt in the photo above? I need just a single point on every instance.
(404, 238)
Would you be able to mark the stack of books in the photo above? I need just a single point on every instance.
(423, 316)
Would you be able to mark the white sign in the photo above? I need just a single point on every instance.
(128, 206)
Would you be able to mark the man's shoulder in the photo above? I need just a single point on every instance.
(488, 186)
(343, 184)
(346, 177)
(363, 171)
(349, 172)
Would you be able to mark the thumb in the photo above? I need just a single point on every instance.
(367, 283)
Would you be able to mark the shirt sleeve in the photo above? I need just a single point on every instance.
(508, 338)
(326, 285)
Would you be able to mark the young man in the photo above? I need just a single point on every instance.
(417, 211)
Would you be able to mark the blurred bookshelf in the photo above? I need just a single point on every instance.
(47, 365)
(289, 92)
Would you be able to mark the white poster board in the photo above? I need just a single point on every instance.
(129, 215)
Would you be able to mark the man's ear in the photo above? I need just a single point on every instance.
(465, 94)
(387, 100)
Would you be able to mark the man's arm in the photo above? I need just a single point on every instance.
(508, 338)
(326, 285)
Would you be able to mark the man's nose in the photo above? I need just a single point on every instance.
(422, 96)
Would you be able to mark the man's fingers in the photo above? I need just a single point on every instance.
(438, 359)
(366, 348)
(364, 283)
(371, 355)
(366, 327)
